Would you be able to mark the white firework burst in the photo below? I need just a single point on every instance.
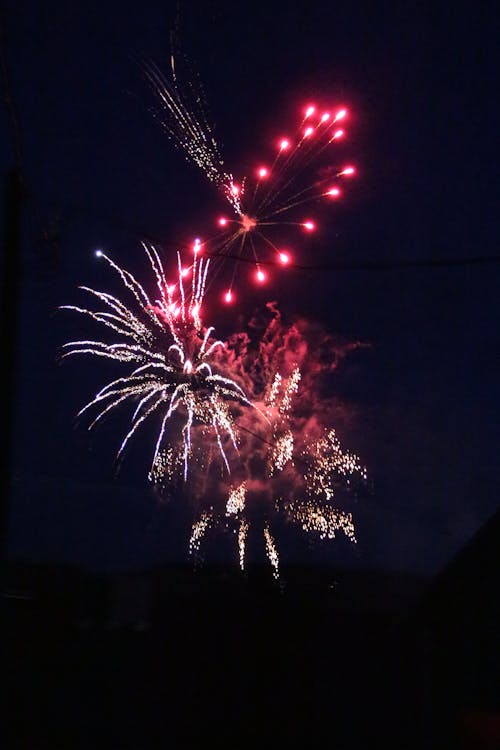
(171, 355)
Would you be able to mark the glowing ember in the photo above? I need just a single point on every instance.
(248, 223)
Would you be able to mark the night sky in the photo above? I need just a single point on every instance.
(421, 85)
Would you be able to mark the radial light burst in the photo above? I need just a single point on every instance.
(169, 355)
(277, 191)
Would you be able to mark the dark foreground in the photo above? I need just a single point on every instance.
(176, 658)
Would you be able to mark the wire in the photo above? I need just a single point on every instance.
(375, 265)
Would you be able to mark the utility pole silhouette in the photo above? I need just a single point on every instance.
(10, 281)
(10, 290)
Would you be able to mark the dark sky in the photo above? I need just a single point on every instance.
(421, 83)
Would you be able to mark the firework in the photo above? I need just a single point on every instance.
(276, 192)
(323, 520)
(198, 531)
(184, 116)
(177, 376)
(300, 484)
(278, 196)
(169, 354)
(330, 467)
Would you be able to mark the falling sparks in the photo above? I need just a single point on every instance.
(165, 466)
(322, 520)
(272, 552)
(281, 453)
(198, 531)
(171, 354)
(242, 537)
(316, 475)
(331, 467)
(283, 390)
(236, 500)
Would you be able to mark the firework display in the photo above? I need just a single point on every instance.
(303, 479)
(170, 353)
(277, 192)
(205, 404)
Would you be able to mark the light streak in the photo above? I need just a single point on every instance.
(170, 354)
(265, 199)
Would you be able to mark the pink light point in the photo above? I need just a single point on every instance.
(309, 225)
(195, 311)
(284, 258)
(235, 189)
(284, 144)
(339, 133)
(310, 111)
(261, 276)
(325, 117)
(348, 171)
(340, 115)
(308, 131)
(222, 221)
(228, 296)
(334, 192)
(184, 272)
(171, 288)
(263, 172)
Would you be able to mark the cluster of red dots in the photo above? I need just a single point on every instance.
(263, 172)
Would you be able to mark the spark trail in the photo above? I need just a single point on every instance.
(169, 356)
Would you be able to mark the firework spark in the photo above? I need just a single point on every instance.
(276, 195)
(300, 485)
(198, 531)
(275, 192)
(171, 353)
(331, 468)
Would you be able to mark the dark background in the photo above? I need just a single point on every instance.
(420, 80)
(100, 172)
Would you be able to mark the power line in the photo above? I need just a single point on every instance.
(373, 265)
(392, 264)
